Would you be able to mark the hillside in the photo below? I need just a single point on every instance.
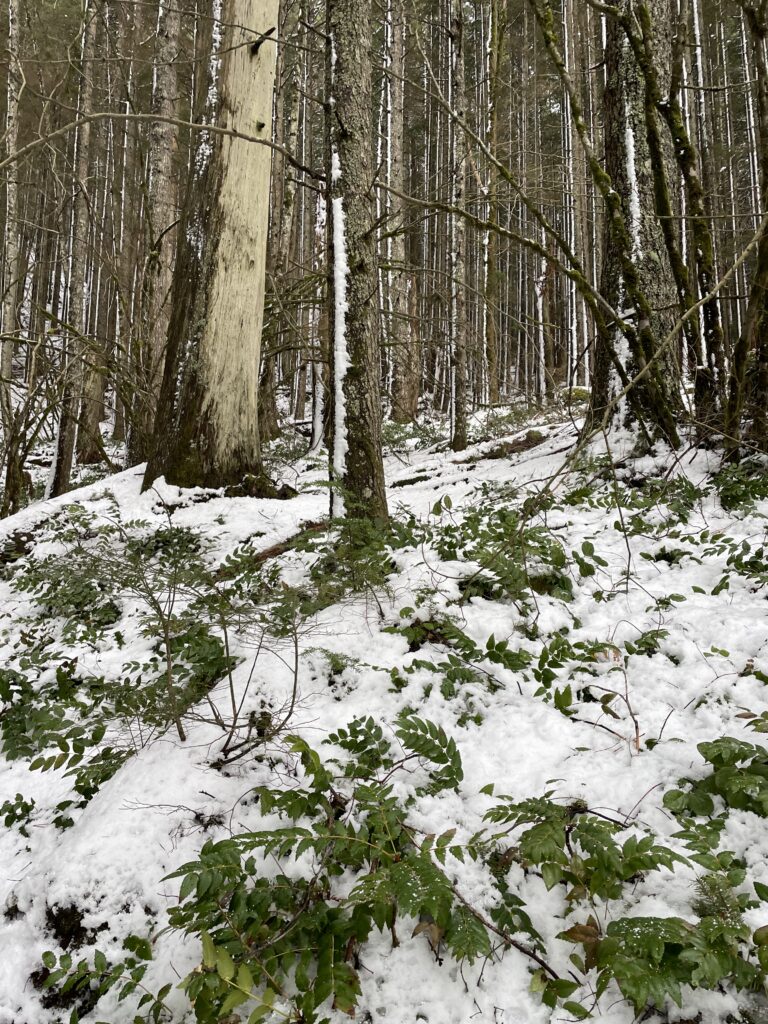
(429, 772)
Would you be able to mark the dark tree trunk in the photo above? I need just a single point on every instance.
(637, 278)
(357, 469)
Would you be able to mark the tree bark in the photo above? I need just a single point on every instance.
(458, 254)
(637, 278)
(357, 471)
(401, 333)
(207, 429)
(76, 347)
(13, 490)
(754, 334)
(162, 216)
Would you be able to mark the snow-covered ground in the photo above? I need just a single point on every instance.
(682, 660)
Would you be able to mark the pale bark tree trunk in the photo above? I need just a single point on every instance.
(162, 215)
(76, 348)
(357, 471)
(207, 429)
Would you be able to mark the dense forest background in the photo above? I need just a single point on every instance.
(537, 192)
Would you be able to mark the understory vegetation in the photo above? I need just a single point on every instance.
(373, 836)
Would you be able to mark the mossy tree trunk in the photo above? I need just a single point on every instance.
(745, 395)
(207, 427)
(357, 470)
(637, 279)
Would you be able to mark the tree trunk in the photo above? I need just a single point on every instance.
(403, 345)
(458, 255)
(207, 427)
(754, 334)
(357, 471)
(637, 277)
(13, 491)
(496, 47)
(76, 348)
(162, 216)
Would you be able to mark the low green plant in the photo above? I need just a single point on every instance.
(739, 779)
(17, 812)
(740, 485)
(294, 936)
(81, 985)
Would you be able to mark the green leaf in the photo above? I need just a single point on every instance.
(209, 950)
(579, 1012)
(552, 874)
(225, 965)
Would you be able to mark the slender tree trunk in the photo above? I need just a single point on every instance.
(754, 335)
(357, 471)
(288, 97)
(496, 49)
(76, 351)
(162, 215)
(13, 490)
(402, 330)
(458, 254)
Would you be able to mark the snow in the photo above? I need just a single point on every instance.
(145, 821)
(340, 350)
(635, 214)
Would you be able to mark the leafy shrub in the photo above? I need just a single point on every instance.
(739, 779)
(295, 936)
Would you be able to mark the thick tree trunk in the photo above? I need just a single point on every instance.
(637, 278)
(357, 471)
(207, 429)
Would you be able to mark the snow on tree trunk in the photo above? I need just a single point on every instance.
(458, 261)
(357, 470)
(637, 277)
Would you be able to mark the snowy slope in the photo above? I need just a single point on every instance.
(688, 684)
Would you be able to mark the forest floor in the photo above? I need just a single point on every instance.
(574, 651)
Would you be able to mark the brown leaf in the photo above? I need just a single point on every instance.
(583, 934)
(427, 926)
